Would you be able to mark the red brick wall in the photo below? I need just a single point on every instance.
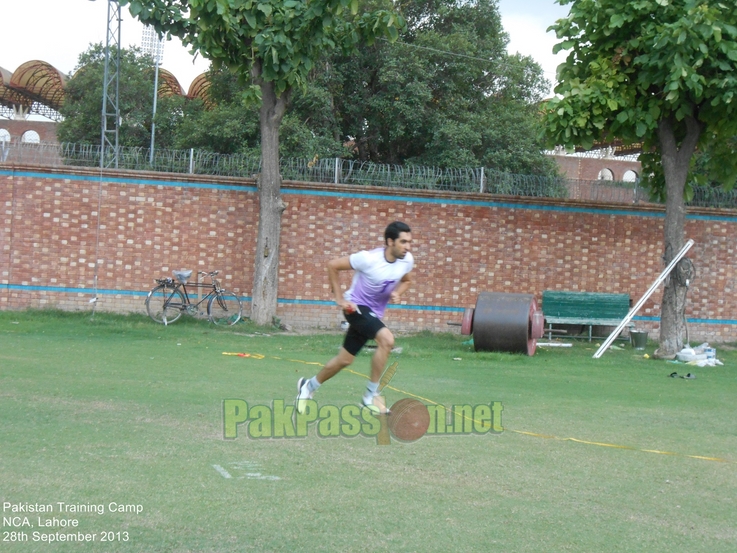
(151, 224)
(588, 168)
(46, 129)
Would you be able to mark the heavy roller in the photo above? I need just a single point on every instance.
(504, 322)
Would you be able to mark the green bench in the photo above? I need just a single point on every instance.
(584, 308)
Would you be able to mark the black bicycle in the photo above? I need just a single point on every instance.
(169, 299)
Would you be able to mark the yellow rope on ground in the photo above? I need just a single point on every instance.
(602, 444)
(532, 434)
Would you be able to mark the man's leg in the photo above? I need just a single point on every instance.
(305, 387)
(384, 344)
(335, 365)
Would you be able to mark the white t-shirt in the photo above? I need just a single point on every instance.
(375, 278)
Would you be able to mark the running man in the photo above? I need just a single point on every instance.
(381, 276)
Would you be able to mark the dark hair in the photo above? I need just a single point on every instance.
(393, 230)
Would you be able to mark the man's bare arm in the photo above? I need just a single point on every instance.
(334, 268)
(404, 284)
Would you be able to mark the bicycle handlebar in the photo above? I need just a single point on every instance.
(168, 281)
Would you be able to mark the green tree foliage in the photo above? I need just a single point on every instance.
(171, 113)
(224, 123)
(659, 72)
(276, 43)
(704, 186)
(83, 102)
(311, 127)
(229, 122)
(446, 93)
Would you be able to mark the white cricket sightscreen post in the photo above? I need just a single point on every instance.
(153, 116)
(643, 299)
(153, 44)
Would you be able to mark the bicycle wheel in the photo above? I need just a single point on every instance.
(225, 308)
(164, 304)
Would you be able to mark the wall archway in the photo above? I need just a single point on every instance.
(630, 176)
(606, 174)
(30, 137)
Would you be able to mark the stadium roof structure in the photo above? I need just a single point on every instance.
(199, 89)
(37, 87)
(8, 96)
(168, 84)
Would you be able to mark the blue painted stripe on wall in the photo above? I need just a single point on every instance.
(356, 195)
(65, 290)
(289, 301)
(713, 321)
(118, 180)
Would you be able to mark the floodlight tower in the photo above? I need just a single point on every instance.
(153, 44)
(111, 87)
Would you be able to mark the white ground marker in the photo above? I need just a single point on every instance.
(224, 473)
(246, 466)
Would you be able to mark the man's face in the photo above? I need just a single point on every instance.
(400, 246)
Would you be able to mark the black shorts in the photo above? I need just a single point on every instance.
(364, 326)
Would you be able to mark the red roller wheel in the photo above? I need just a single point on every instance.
(538, 324)
(467, 322)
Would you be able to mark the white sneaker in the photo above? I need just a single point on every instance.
(376, 407)
(303, 394)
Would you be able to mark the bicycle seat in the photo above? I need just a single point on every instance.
(182, 276)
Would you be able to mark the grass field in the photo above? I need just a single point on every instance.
(121, 413)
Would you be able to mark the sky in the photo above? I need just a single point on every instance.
(526, 22)
(57, 31)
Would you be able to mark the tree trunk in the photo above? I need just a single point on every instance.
(271, 207)
(675, 162)
(362, 149)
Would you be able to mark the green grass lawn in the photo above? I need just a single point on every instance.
(122, 413)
